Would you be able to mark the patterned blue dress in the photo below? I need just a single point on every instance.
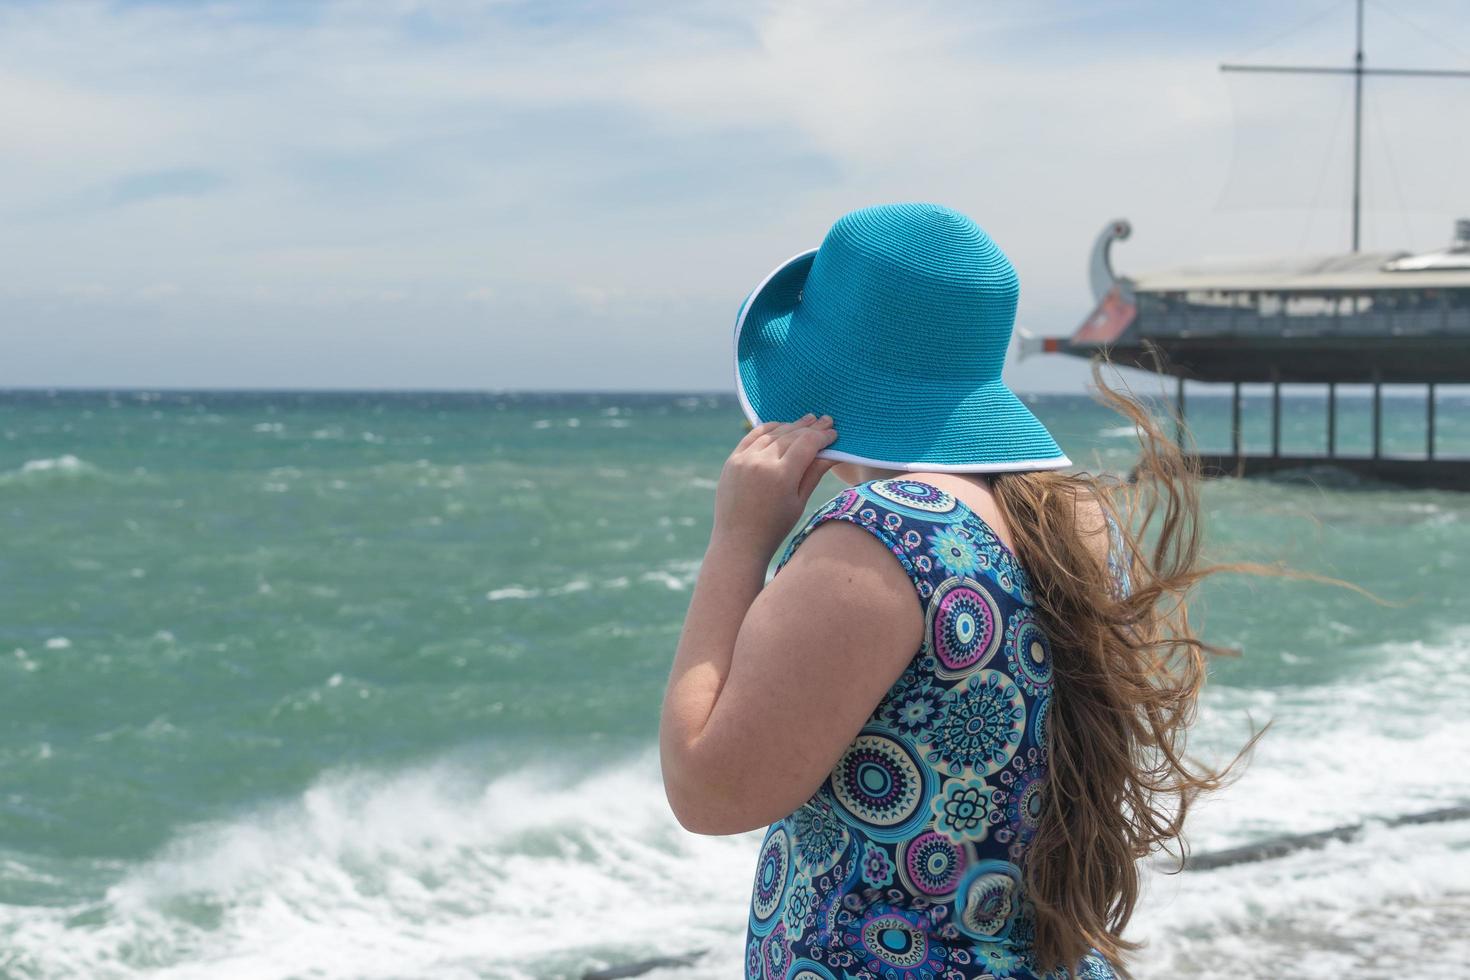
(907, 863)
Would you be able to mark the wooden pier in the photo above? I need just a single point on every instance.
(1349, 318)
(1443, 474)
(1431, 470)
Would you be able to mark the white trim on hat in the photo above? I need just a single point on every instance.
(1010, 466)
(745, 405)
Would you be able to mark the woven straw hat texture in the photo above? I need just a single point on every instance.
(897, 327)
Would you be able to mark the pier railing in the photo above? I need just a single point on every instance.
(1374, 314)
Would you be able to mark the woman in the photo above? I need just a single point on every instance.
(959, 713)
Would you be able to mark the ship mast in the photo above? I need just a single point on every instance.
(1357, 71)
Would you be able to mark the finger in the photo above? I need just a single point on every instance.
(756, 432)
(816, 432)
(812, 477)
(773, 432)
(781, 431)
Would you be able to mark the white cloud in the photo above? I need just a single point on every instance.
(642, 165)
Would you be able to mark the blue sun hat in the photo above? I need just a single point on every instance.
(897, 327)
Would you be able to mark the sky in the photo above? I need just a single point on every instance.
(568, 194)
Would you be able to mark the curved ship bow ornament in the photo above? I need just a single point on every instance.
(1100, 273)
(1116, 308)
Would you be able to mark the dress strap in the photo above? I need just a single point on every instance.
(1119, 560)
(900, 535)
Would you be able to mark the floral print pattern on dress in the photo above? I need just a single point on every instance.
(908, 862)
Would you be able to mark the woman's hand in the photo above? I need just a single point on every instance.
(766, 482)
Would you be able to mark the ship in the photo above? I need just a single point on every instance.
(1355, 317)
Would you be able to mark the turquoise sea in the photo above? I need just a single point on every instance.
(367, 685)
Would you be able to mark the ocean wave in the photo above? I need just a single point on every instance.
(1375, 743)
(1349, 910)
(566, 588)
(511, 592)
(676, 576)
(59, 468)
(64, 469)
(429, 872)
(440, 871)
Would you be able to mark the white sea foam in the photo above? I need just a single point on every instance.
(1390, 739)
(677, 576)
(427, 873)
(447, 872)
(438, 872)
(67, 463)
(53, 468)
(1389, 904)
(511, 592)
(67, 468)
(667, 579)
(566, 588)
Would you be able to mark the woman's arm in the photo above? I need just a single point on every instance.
(730, 578)
(771, 473)
(770, 685)
(817, 650)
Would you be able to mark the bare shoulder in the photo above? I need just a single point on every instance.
(1091, 519)
(850, 568)
(847, 603)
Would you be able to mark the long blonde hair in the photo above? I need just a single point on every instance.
(1127, 669)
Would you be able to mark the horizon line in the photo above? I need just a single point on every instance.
(1416, 389)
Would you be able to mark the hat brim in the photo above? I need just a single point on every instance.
(780, 375)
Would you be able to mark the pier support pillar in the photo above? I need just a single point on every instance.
(1331, 419)
(1275, 413)
(1377, 415)
(1179, 413)
(1235, 421)
(1429, 422)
